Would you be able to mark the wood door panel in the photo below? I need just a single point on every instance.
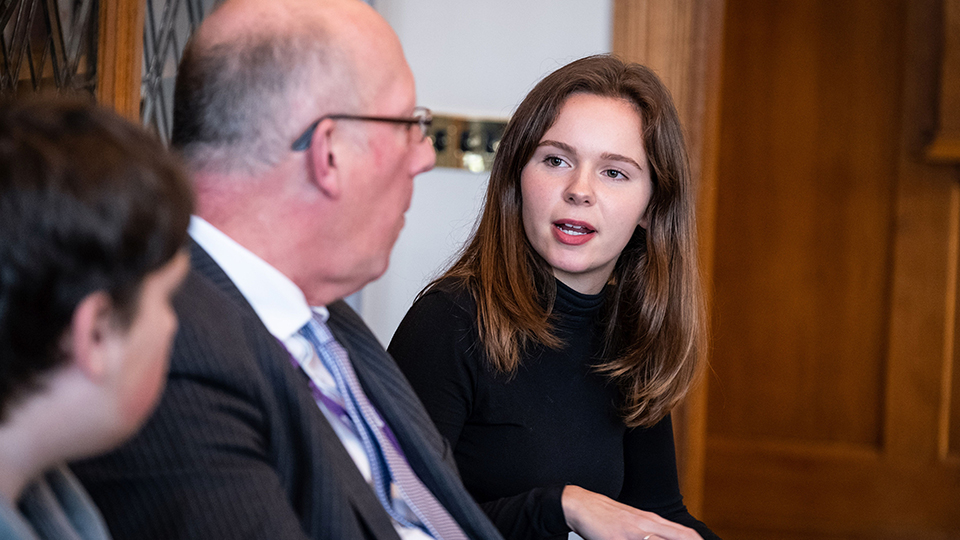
(805, 221)
(850, 497)
(835, 407)
(951, 372)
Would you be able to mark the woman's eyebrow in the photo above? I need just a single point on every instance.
(618, 157)
(563, 146)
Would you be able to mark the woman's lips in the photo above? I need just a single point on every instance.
(573, 232)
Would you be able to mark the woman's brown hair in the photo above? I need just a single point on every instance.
(654, 320)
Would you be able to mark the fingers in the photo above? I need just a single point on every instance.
(597, 517)
(658, 528)
(689, 534)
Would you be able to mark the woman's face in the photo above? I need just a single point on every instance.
(586, 189)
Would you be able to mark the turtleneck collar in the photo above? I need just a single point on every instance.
(576, 309)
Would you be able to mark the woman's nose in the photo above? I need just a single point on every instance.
(579, 190)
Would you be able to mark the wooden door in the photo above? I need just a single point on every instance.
(834, 406)
(120, 56)
(681, 41)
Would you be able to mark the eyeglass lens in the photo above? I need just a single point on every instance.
(424, 119)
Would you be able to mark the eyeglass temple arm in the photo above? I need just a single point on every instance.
(303, 141)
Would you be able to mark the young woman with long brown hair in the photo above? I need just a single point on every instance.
(552, 351)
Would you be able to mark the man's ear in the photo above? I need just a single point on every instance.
(90, 339)
(326, 173)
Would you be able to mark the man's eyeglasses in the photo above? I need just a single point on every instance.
(422, 118)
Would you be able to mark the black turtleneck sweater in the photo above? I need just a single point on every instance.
(519, 440)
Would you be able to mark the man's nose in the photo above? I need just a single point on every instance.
(425, 157)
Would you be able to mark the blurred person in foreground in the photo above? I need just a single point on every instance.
(283, 417)
(93, 216)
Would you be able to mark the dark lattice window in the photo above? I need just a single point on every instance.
(48, 44)
(168, 25)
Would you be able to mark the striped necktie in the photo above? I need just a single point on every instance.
(384, 453)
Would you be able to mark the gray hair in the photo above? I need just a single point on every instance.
(239, 104)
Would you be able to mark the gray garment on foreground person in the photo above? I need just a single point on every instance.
(53, 507)
(238, 447)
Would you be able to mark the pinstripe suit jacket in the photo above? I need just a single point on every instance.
(239, 449)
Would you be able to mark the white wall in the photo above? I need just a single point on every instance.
(471, 58)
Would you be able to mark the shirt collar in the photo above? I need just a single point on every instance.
(278, 302)
(321, 312)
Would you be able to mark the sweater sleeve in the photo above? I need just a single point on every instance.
(650, 476)
(534, 515)
(432, 348)
(437, 348)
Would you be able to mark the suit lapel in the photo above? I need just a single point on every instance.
(340, 476)
(424, 447)
(204, 264)
(384, 383)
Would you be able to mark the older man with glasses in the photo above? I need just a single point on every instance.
(283, 416)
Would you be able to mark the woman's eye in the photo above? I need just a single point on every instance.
(553, 161)
(615, 174)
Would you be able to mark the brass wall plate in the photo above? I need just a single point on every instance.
(466, 143)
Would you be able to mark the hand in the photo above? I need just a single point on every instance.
(596, 517)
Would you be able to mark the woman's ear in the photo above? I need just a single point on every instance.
(321, 159)
(90, 341)
(645, 219)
